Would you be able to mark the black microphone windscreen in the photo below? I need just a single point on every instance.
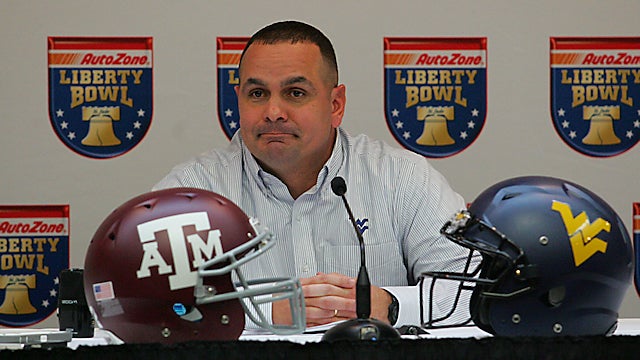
(338, 186)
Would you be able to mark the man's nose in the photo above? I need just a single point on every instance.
(275, 110)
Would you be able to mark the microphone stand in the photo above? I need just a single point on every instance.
(363, 327)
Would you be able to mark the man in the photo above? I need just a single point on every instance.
(278, 168)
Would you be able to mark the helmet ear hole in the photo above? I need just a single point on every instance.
(555, 296)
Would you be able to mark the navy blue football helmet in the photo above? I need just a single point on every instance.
(556, 259)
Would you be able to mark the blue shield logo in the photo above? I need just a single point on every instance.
(100, 93)
(229, 50)
(34, 249)
(435, 92)
(593, 84)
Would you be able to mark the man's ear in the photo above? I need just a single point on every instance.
(338, 103)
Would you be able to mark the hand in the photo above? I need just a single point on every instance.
(329, 298)
(380, 301)
(323, 295)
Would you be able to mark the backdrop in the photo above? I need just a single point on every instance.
(518, 137)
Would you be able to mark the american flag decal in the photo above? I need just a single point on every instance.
(103, 291)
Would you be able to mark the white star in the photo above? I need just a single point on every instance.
(639, 112)
(406, 135)
(137, 125)
(565, 124)
(561, 112)
(72, 135)
(629, 134)
(56, 281)
(45, 303)
(64, 125)
(636, 124)
(395, 112)
(399, 125)
(59, 113)
(140, 113)
(233, 125)
(471, 125)
(53, 293)
(129, 135)
(228, 113)
(463, 135)
(475, 112)
(572, 134)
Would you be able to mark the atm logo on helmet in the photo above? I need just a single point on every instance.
(182, 274)
(582, 232)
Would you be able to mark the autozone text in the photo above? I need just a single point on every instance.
(621, 58)
(35, 227)
(118, 59)
(453, 59)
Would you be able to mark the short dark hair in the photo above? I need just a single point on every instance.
(295, 32)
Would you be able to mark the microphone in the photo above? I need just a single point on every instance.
(363, 327)
(363, 285)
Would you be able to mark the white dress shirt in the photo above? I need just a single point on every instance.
(398, 199)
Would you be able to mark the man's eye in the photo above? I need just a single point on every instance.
(256, 94)
(296, 93)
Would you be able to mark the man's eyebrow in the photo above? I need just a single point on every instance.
(295, 80)
(288, 82)
(254, 81)
(298, 80)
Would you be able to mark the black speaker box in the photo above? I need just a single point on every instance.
(73, 311)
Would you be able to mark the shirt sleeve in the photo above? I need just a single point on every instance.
(408, 298)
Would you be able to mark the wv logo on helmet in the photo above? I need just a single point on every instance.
(582, 232)
(182, 274)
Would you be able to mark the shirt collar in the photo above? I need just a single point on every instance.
(266, 181)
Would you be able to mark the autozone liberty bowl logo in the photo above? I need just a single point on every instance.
(100, 93)
(594, 85)
(435, 92)
(229, 50)
(34, 249)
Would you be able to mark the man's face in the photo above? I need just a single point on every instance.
(289, 107)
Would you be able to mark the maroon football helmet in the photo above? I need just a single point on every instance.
(159, 269)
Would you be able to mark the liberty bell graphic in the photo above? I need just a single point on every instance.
(435, 132)
(16, 295)
(101, 120)
(601, 127)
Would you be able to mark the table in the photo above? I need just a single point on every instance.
(452, 343)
